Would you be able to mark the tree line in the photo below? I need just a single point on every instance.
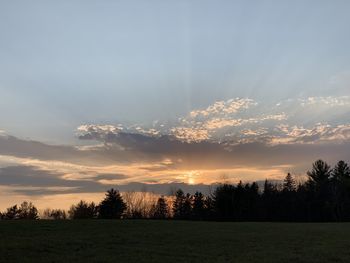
(323, 196)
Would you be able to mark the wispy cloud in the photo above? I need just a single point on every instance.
(237, 139)
(326, 101)
(244, 120)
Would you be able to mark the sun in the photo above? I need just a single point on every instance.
(190, 176)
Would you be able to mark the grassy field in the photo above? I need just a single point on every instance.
(172, 241)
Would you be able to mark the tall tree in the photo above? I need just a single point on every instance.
(178, 205)
(289, 184)
(113, 206)
(187, 207)
(270, 202)
(209, 208)
(320, 191)
(320, 173)
(340, 191)
(161, 210)
(341, 172)
(224, 199)
(198, 210)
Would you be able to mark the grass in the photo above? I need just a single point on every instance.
(172, 241)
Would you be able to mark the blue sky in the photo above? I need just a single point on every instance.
(145, 90)
(68, 63)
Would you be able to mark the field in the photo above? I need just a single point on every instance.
(172, 241)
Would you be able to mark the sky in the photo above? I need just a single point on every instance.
(156, 95)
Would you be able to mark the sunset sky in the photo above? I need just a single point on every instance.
(156, 95)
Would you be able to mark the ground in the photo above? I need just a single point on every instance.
(172, 241)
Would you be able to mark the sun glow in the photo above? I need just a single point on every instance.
(191, 176)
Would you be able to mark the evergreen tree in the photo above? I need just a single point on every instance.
(113, 206)
(270, 202)
(161, 210)
(320, 192)
(289, 184)
(253, 202)
(83, 210)
(320, 173)
(187, 207)
(341, 172)
(269, 188)
(224, 197)
(340, 191)
(209, 208)
(198, 210)
(178, 205)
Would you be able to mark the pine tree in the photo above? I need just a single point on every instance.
(289, 184)
(187, 207)
(178, 205)
(161, 210)
(83, 210)
(341, 172)
(198, 211)
(320, 173)
(113, 206)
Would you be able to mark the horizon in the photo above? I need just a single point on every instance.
(149, 96)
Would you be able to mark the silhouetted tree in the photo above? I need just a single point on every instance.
(320, 204)
(324, 196)
(320, 173)
(113, 206)
(198, 209)
(139, 204)
(12, 213)
(224, 198)
(252, 199)
(270, 202)
(25, 211)
(178, 205)
(28, 211)
(83, 210)
(187, 207)
(341, 172)
(287, 199)
(209, 208)
(161, 209)
(340, 191)
(289, 184)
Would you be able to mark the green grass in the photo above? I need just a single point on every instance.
(172, 241)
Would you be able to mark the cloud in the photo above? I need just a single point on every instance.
(326, 101)
(189, 134)
(220, 119)
(30, 180)
(237, 121)
(218, 131)
(188, 163)
(222, 108)
(30, 176)
(320, 133)
(238, 139)
(109, 176)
